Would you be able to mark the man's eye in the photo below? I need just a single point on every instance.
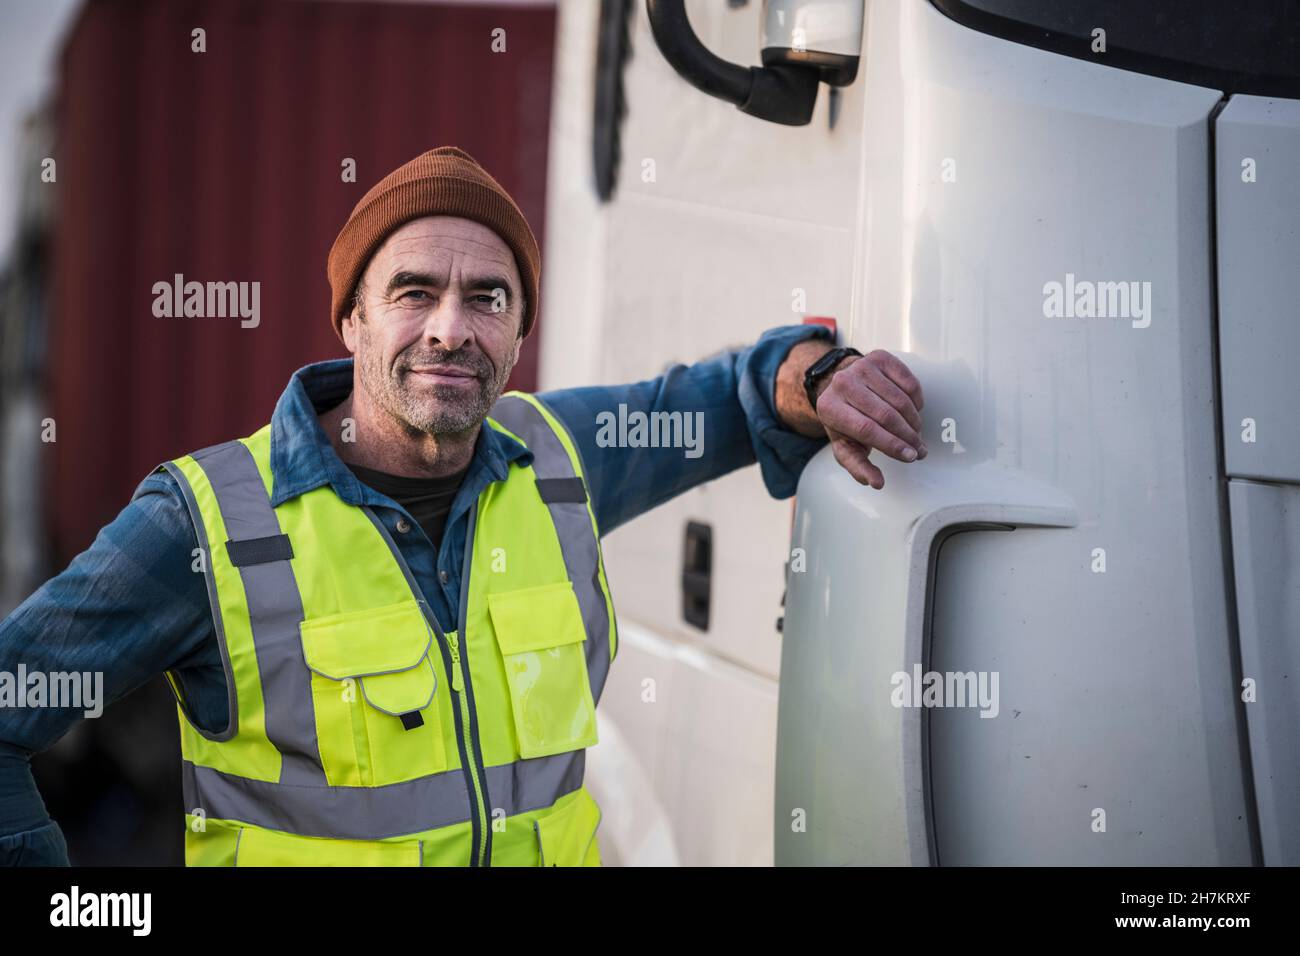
(413, 292)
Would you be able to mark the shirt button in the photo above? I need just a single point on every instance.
(403, 525)
(444, 577)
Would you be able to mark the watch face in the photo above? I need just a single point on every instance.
(827, 361)
(817, 370)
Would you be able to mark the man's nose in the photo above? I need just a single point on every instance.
(447, 324)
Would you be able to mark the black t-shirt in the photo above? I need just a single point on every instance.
(427, 499)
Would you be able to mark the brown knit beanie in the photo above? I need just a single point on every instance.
(442, 182)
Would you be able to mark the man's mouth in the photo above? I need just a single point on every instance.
(443, 374)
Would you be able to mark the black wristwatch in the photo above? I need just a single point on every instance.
(820, 368)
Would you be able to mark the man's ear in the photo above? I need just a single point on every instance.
(349, 329)
(357, 315)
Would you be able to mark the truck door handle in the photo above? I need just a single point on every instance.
(697, 574)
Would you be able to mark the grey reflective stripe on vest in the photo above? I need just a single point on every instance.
(374, 813)
(274, 611)
(572, 524)
(201, 535)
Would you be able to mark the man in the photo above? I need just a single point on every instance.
(385, 615)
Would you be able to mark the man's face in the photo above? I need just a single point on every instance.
(437, 329)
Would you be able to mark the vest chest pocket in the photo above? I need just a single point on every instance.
(541, 637)
(373, 690)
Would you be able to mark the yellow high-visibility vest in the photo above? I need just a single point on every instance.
(360, 732)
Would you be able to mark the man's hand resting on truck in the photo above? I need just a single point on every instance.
(868, 402)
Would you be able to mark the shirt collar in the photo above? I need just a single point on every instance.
(302, 458)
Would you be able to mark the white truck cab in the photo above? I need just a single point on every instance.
(1078, 227)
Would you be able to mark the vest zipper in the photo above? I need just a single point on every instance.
(449, 648)
(458, 685)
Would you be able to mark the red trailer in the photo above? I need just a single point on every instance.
(227, 165)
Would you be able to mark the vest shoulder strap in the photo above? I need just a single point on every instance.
(227, 490)
(557, 465)
(555, 456)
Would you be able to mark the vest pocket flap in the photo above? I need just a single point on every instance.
(533, 619)
(364, 643)
(401, 692)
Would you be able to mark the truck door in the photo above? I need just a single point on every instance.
(1257, 194)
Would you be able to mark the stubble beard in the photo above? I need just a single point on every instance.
(440, 410)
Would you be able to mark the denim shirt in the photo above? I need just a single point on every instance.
(130, 606)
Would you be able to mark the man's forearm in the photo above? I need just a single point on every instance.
(128, 607)
(28, 837)
(791, 401)
(732, 395)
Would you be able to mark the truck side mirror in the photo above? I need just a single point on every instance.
(803, 43)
